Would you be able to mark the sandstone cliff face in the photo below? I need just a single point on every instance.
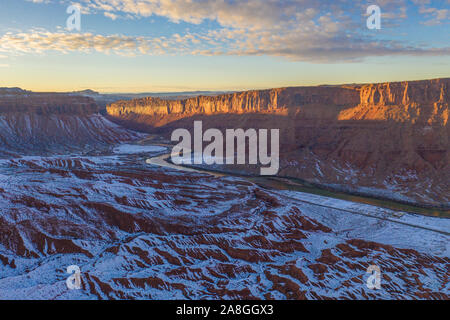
(425, 102)
(277, 101)
(34, 123)
(408, 101)
(389, 139)
(47, 103)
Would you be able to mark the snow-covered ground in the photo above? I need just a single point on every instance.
(142, 231)
(400, 229)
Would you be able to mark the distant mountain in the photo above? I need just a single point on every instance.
(14, 90)
(173, 95)
(87, 92)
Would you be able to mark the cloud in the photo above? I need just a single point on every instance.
(41, 41)
(111, 15)
(252, 14)
(312, 45)
(301, 30)
(436, 16)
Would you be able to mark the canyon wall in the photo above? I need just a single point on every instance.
(37, 124)
(389, 139)
(47, 103)
(274, 101)
(329, 101)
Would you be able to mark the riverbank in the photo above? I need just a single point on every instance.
(294, 184)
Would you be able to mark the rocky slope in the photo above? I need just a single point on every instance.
(35, 123)
(137, 231)
(145, 232)
(389, 139)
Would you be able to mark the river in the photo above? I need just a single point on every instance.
(297, 185)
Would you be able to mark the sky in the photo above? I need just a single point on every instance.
(219, 45)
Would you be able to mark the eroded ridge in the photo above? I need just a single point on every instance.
(143, 232)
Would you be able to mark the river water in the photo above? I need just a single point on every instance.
(297, 185)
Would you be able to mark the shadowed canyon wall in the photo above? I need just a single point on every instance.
(40, 123)
(388, 139)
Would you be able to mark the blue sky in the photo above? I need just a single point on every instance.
(179, 45)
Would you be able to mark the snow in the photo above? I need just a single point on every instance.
(358, 220)
(208, 205)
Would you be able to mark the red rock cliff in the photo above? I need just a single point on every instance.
(388, 139)
(40, 123)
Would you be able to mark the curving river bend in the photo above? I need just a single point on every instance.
(291, 184)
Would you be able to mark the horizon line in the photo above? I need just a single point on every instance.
(220, 90)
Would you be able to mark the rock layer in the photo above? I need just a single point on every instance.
(36, 123)
(144, 232)
(388, 139)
